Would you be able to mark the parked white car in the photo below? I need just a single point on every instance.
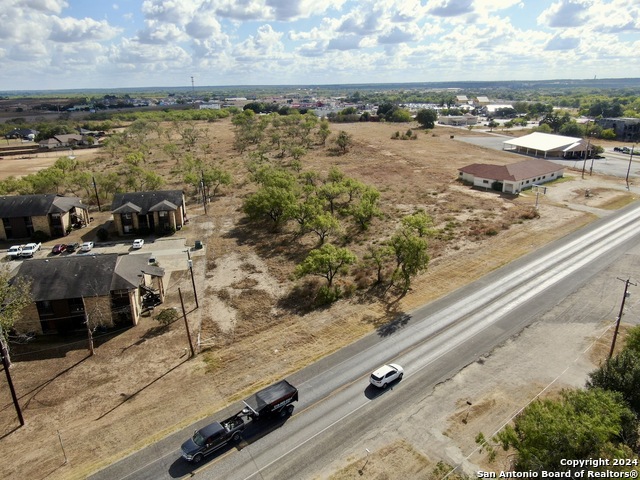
(29, 249)
(137, 243)
(14, 252)
(86, 247)
(385, 375)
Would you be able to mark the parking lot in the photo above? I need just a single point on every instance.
(613, 163)
(169, 252)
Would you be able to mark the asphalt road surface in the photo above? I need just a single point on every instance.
(337, 406)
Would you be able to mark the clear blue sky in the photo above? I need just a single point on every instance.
(60, 44)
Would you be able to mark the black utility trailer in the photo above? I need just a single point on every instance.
(275, 400)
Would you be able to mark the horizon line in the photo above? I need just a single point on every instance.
(325, 85)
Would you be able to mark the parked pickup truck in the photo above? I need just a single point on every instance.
(29, 249)
(14, 252)
(212, 437)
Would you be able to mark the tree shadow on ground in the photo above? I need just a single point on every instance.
(266, 242)
(141, 389)
(61, 345)
(392, 321)
(31, 395)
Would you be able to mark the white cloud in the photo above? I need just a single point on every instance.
(28, 51)
(297, 41)
(618, 16)
(399, 35)
(360, 23)
(566, 13)
(150, 57)
(560, 42)
(76, 30)
(272, 10)
(450, 8)
(45, 6)
(161, 34)
(265, 45)
(203, 27)
(346, 42)
(314, 50)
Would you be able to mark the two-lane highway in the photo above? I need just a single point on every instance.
(336, 404)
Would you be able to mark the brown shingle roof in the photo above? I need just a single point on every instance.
(514, 172)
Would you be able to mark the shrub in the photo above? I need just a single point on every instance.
(102, 234)
(327, 295)
(167, 316)
(39, 236)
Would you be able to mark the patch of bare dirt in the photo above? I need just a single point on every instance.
(141, 385)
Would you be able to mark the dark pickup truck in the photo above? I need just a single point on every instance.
(273, 401)
(210, 438)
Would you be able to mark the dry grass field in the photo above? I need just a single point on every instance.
(141, 385)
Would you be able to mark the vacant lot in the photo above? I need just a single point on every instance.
(141, 384)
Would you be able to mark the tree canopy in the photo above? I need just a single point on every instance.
(581, 424)
(14, 297)
(326, 261)
(427, 117)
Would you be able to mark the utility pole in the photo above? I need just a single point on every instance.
(89, 332)
(193, 93)
(204, 196)
(95, 189)
(627, 282)
(586, 154)
(193, 281)
(186, 323)
(4, 352)
(629, 168)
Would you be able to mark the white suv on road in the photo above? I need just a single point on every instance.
(385, 375)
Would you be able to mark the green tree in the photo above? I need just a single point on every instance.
(215, 177)
(492, 124)
(326, 261)
(581, 424)
(323, 225)
(65, 164)
(15, 296)
(544, 128)
(632, 342)
(344, 141)
(571, 129)
(81, 180)
(555, 121)
(171, 149)
(419, 222)
(378, 257)
(411, 256)
(276, 203)
(330, 192)
(427, 117)
(399, 115)
(367, 208)
(49, 180)
(270, 176)
(190, 134)
(620, 373)
(324, 131)
(305, 210)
